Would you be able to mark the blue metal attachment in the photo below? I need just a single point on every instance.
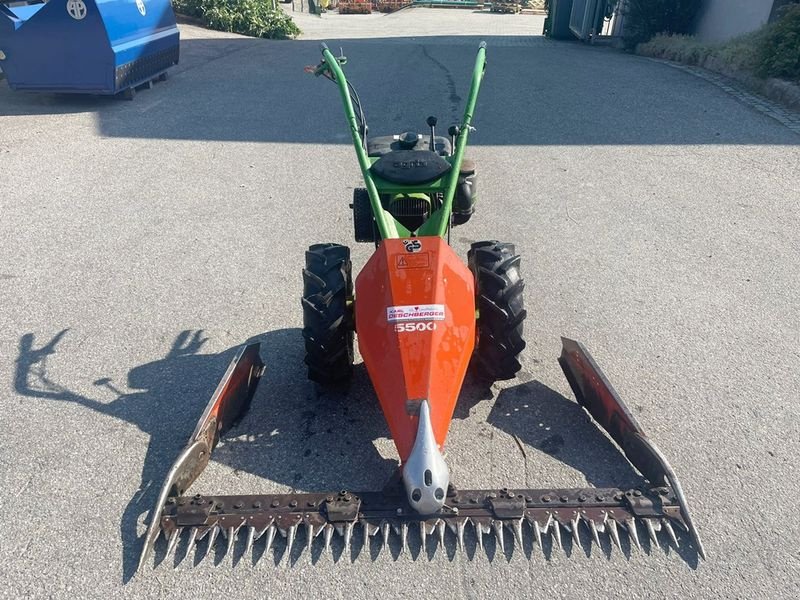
(86, 46)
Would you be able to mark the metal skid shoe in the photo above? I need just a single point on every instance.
(657, 510)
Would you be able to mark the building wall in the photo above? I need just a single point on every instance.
(723, 19)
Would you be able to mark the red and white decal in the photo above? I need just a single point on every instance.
(413, 327)
(421, 312)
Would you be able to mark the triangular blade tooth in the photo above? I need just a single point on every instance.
(348, 535)
(404, 537)
(460, 526)
(498, 533)
(231, 535)
(479, 533)
(310, 535)
(651, 531)
(174, 538)
(612, 530)
(670, 532)
(630, 525)
(271, 531)
(385, 531)
(574, 526)
(251, 537)
(518, 532)
(423, 534)
(440, 532)
(291, 533)
(192, 540)
(554, 525)
(595, 532)
(212, 538)
(329, 529)
(365, 527)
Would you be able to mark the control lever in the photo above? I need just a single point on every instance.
(454, 131)
(431, 121)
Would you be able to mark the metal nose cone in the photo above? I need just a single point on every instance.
(425, 474)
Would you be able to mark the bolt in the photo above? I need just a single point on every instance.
(528, 499)
(564, 499)
(275, 504)
(347, 497)
(181, 502)
(473, 500)
(329, 499)
(170, 500)
(637, 493)
(399, 511)
(618, 497)
(293, 503)
(238, 505)
(581, 498)
(600, 498)
(546, 498)
(200, 502)
(198, 496)
(311, 503)
(491, 496)
(256, 504)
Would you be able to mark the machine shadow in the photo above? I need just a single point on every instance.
(293, 435)
(543, 419)
(252, 90)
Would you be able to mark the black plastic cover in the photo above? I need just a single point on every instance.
(410, 167)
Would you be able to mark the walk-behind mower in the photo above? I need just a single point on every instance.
(422, 318)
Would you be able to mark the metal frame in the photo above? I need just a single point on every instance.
(439, 222)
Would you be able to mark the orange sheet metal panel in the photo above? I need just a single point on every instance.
(415, 321)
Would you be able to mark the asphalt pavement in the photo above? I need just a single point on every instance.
(142, 242)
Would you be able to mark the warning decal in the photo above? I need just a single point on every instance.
(420, 312)
(412, 261)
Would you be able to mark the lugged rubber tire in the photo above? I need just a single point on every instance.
(363, 221)
(498, 291)
(327, 316)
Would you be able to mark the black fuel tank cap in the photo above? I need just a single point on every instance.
(408, 139)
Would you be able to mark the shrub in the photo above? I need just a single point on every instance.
(256, 18)
(777, 53)
(646, 18)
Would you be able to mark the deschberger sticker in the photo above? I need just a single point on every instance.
(420, 312)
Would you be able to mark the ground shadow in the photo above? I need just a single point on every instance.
(292, 435)
(544, 419)
(536, 92)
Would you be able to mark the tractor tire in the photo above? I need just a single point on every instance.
(363, 221)
(327, 314)
(501, 309)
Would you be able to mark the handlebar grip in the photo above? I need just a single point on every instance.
(323, 46)
(482, 46)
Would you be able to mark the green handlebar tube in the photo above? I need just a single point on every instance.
(439, 221)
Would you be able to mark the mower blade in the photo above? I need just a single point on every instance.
(498, 533)
(614, 533)
(229, 402)
(670, 532)
(290, 535)
(423, 534)
(404, 537)
(460, 526)
(651, 530)
(594, 392)
(251, 537)
(348, 536)
(557, 534)
(328, 536)
(385, 530)
(440, 533)
(174, 538)
(271, 531)
(595, 532)
(630, 525)
(574, 525)
(190, 546)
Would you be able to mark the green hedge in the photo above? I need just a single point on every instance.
(646, 18)
(771, 51)
(255, 18)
